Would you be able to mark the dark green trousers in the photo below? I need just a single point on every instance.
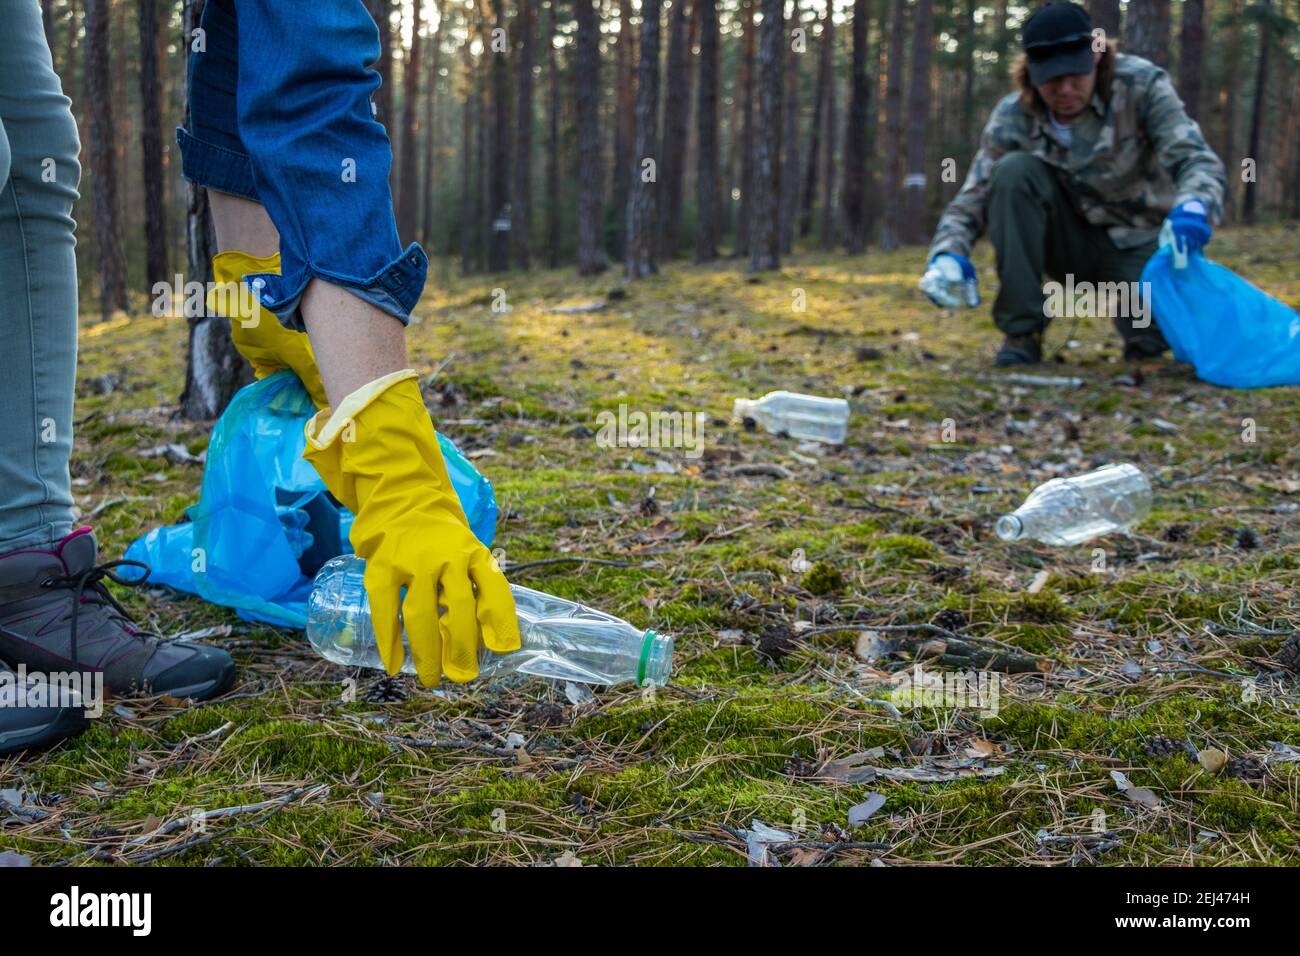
(1037, 232)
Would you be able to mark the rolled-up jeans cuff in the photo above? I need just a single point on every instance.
(395, 289)
(216, 167)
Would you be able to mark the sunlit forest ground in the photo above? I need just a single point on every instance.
(1160, 657)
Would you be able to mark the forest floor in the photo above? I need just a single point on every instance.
(1153, 656)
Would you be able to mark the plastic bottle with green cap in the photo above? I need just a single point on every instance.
(561, 639)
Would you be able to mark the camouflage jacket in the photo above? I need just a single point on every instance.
(1129, 162)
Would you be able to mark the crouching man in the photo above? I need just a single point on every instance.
(1075, 173)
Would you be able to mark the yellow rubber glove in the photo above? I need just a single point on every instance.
(259, 336)
(378, 454)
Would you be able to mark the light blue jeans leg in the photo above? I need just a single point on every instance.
(39, 173)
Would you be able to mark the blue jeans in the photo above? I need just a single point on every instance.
(280, 113)
(38, 285)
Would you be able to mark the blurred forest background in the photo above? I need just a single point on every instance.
(524, 131)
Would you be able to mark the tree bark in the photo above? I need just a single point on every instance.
(1251, 192)
(1146, 33)
(706, 150)
(408, 189)
(552, 145)
(381, 11)
(765, 230)
(1104, 14)
(830, 127)
(625, 69)
(918, 113)
(1231, 88)
(499, 207)
(102, 154)
(891, 184)
(151, 146)
(745, 99)
(214, 370)
(643, 194)
(854, 193)
(969, 42)
(677, 115)
(521, 208)
(790, 158)
(586, 80)
(1191, 56)
(430, 177)
(468, 221)
(824, 51)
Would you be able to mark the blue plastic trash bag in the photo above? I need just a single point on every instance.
(264, 523)
(1233, 333)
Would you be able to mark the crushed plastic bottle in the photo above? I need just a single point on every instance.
(1068, 511)
(562, 640)
(808, 417)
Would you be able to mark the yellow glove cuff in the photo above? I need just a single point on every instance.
(324, 427)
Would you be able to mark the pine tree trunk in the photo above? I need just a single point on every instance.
(706, 150)
(408, 190)
(1255, 149)
(214, 370)
(467, 140)
(677, 115)
(918, 114)
(521, 208)
(745, 99)
(625, 69)
(1231, 95)
(1104, 14)
(824, 52)
(643, 194)
(381, 10)
(969, 41)
(586, 81)
(102, 153)
(891, 182)
(790, 158)
(151, 146)
(765, 231)
(552, 145)
(430, 178)
(1146, 32)
(855, 137)
(830, 129)
(1191, 56)
(500, 223)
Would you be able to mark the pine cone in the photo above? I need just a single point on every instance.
(543, 713)
(1246, 768)
(1162, 746)
(1288, 655)
(386, 690)
(950, 620)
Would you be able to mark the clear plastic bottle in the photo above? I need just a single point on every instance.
(562, 640)
(808, 417)
(1067, 511)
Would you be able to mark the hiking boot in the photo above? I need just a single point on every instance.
(1024, 349)
(57, 615)
(36, 715)
(1140, 349)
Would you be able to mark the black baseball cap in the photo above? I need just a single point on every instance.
(1058, 42)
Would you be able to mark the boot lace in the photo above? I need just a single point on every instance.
(90, 583)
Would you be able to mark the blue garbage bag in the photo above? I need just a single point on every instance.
(1233, 333)
(264, 522)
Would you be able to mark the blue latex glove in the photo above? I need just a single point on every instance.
(950, 281)
(1190, 225)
